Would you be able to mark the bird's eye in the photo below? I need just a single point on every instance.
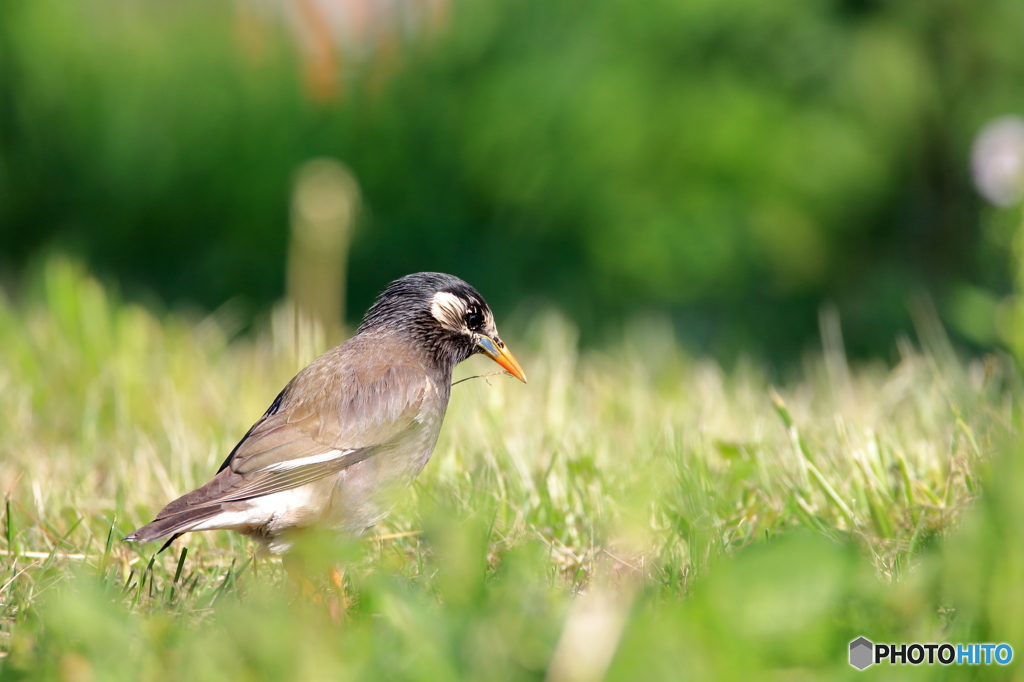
(474, 319)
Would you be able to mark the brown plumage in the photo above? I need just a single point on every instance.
(351, 429)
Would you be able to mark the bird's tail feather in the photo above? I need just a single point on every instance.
(174, 524)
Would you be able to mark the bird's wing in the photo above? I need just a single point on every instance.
(301, 440)
(360, 406)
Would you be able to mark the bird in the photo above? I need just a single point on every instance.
(350, 430)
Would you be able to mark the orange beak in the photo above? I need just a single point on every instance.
(497, 350)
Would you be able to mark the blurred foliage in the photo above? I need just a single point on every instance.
(736, 162)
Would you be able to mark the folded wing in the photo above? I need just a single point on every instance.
(305, 436)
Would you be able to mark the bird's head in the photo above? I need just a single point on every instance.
(445, 314)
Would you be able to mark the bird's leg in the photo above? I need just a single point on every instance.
(295, 567)
(338, 578)
(332, 593)
(337, 602)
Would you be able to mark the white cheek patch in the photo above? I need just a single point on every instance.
(449, 310)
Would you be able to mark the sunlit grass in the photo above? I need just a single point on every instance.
(631, 472)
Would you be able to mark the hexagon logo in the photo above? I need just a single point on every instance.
(861, 650)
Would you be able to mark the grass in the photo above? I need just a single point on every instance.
(630, 513)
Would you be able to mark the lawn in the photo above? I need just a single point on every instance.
(634, 512)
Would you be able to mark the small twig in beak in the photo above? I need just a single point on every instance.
(479, 376)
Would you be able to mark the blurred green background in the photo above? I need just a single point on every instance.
(737, 163)
(756, 172)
